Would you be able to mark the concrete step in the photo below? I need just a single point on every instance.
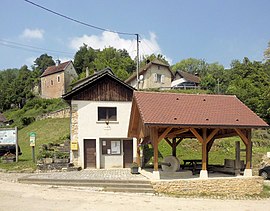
(129, 190)
(133, 186)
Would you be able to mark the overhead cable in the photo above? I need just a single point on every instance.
(77, 21)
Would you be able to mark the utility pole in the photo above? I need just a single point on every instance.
(138, 61)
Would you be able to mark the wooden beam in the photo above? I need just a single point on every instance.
(154, 139)
(242, 136)
(168, 141)
(138, 156)
(210, 144)
(214, 132)
(179, 141)
(163, 135)
(204, 149)
(196, 134)
(177, 132)
(248, 150)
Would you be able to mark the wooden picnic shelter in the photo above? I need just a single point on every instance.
(173, 117)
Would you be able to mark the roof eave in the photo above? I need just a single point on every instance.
(206, 126)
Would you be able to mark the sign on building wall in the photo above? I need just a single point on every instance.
(115, 147)
(7, 136)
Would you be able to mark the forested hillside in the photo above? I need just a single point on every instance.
(248, 80)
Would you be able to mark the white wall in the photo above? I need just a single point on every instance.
(90, 128)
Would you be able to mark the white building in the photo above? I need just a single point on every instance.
(100, 111)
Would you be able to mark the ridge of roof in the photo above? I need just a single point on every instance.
(94, 77)
(188, 76)
(55, 69)
(145, 67)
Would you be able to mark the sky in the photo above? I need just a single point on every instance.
(213, 30)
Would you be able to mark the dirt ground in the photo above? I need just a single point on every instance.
(15, 196)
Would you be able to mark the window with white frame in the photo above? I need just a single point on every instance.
(158, 78)
(107, 114)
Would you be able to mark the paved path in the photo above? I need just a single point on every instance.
(87, 174)
(90, 174)
(16, 196)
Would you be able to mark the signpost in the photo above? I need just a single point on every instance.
(9, 136)
(32, 144)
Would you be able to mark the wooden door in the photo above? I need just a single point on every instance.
(89, 153)
(128, 153)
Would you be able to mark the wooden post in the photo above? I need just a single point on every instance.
(154, 140)
(237, 158)
(248, 150)
(174, 147)
(138, 155)
(204, 150)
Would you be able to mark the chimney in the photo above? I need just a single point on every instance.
(87, 72)
(57, 62)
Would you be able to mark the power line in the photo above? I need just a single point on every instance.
(77, 21)
(12, 44)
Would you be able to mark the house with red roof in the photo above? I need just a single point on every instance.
(56, 79)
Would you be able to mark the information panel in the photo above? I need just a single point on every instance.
(7, 136)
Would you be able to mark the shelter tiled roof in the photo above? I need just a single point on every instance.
(195, 110)
(188, 76)
(54, 69)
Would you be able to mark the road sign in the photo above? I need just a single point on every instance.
(32, 139)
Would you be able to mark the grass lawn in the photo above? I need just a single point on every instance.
(47, 131)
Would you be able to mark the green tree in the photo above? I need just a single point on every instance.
(193, 66)
(267, 52)
(151, 57)
(42, 63)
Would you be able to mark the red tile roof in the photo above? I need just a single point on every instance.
(195, 110)
(54, 69)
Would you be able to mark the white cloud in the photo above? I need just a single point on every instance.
(109, 39)
(33, 34)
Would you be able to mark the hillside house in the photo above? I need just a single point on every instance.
(56, 79)
(100, 110)
(154, 75)
(185, 80)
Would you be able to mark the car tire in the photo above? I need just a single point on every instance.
(264, 175)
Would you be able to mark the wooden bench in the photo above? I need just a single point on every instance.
(191, 164)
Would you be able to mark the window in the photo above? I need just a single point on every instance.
(52, 82)
(158, 78)
(58, 78)
(107, 114)
(111, 147)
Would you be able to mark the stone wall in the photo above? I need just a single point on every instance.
(238, 186)
(62, 113)
(74, 133)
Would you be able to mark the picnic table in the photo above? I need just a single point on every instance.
(191, 164)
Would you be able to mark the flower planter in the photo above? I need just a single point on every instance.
(134, 170)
